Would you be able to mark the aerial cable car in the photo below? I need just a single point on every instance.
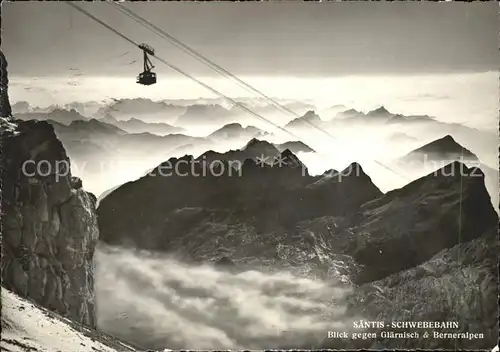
(147, 77)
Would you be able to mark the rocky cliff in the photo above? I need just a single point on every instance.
(5, 108)
(49, 223)
(264, 197)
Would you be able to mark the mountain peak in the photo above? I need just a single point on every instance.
(233, 125)
(310, 114)
(330, 172)
(134, 119)
(379, 111)
(445, 145)
(235, 130)
(351, 111)
(254, 142)
(309, 117)
(291, 160)
(354, 169)
(352, 172)
(288, 153)
(447, 139)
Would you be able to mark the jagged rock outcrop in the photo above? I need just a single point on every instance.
(5, 108)
(57, 114)
(266, 196)
(406, 227)
(379, 112)
(255, 148)
(49, 224)
(439, 153)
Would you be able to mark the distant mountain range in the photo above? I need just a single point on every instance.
(113, 138)
(381, 122)
(88, 108)
(187, 112)
(202, 115)
(236, 131)
(145, 109)
(94, 143)
(134, 125)
(377, 116)
(59, 115)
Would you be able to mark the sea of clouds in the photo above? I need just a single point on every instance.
(157, 302)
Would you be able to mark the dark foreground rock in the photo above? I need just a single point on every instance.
(5, 108)
(405, 227)
(49, 224)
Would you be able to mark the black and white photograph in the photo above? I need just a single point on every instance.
(218, 175)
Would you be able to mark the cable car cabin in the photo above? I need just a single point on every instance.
(146, 78)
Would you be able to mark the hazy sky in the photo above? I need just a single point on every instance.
(261, 39)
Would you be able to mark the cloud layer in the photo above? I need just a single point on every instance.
(157, 302)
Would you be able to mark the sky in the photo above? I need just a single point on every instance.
(293, 39)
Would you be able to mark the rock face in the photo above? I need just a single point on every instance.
(436, 154)
(5, 108)
(406, 227)
(49, 224)
(458, 284)
(271, 195)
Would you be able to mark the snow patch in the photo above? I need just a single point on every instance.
(27, 327)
